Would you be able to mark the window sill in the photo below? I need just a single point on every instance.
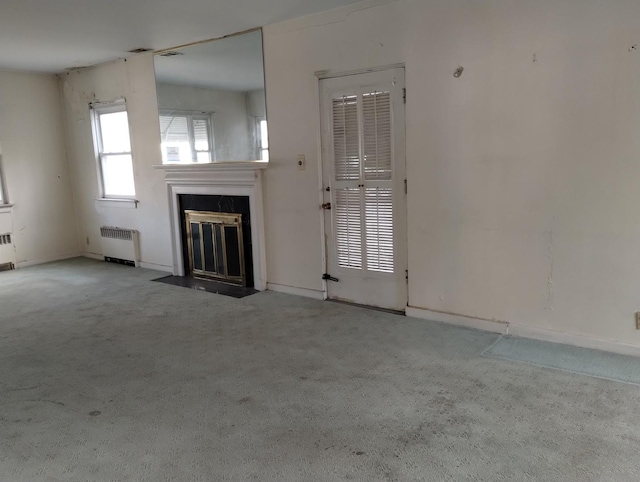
(117, 203)
(5, 208)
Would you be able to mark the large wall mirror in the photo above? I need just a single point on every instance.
(211, 101)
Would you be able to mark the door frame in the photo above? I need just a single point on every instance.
(328, 74)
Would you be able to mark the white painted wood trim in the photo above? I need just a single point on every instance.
(116, 203)
(292, 290)
(151, 266)
(5, 208)
(157, 267)
(459, 320)
(573, 339)
(243, 181)
(213, 166)
(95, 256)
(508, 328)
(35, 262)
(321, 191)
(328, 74)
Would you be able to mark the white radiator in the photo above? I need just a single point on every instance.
(7, 253)
(120, 245)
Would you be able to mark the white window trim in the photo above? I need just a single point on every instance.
(117, 203)
(5, 205)
(258, 137)
(191, 115)
(118, 105)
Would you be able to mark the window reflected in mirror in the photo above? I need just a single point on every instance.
(186, 137)
(211, 101)
(262, 135)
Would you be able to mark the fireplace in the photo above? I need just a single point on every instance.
(214, 245)
(219, 188)
(216, 237)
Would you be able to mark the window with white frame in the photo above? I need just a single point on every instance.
(262, 137)
(186, 137)
(113, 149)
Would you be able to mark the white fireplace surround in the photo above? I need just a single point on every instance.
(222, 179)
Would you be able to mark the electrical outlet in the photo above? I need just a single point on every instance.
(637, 320)
(302, 162)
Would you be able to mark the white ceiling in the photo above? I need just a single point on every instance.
(53, 35)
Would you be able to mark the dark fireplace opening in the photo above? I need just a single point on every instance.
(238, 205)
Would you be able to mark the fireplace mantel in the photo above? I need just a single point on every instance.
(224, 179)
(214, 172)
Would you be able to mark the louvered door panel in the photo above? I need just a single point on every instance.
(362, 142)
(348, 227)
(376, 127)
(379, 229)
(346, 145)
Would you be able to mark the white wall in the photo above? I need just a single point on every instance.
(35, 168)
(133, 80)
(230, 110)
(340, 40)
(523, 174)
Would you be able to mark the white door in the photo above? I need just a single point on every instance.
(363, 164)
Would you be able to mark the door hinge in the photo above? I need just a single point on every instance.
(406, 271)
(328, 277)
(404, 95)
(405, 186)
(326, 206)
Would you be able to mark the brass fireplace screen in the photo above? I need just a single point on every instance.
(215, 246)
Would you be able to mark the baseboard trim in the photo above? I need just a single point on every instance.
(141, 264)
(511, 329)
(157, 267)
(573, 339)
(52, 259)
(459, 320)
(291, 290)
(95, 256)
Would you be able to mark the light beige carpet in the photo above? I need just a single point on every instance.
(106, 376)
